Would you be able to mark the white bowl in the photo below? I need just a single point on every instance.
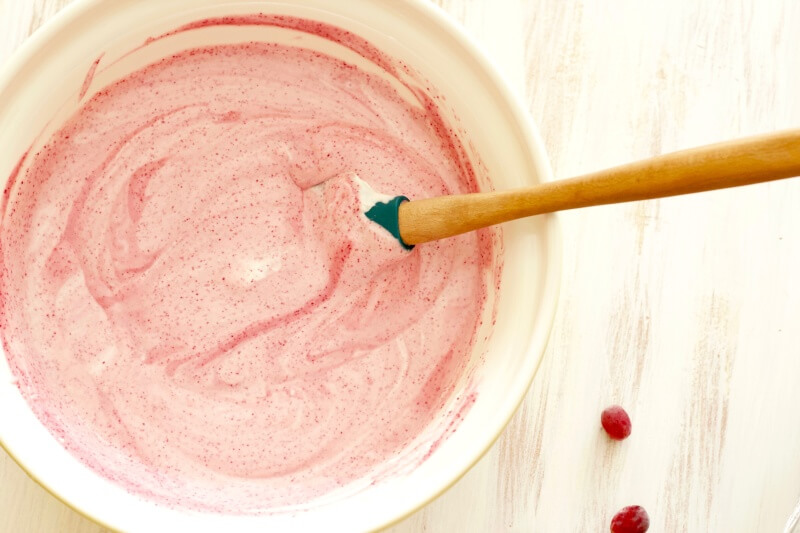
(40, 88)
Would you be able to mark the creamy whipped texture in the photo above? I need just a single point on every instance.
(198, 322)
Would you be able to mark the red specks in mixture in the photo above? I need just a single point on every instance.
(332, 33)
(12, 180)
(201, 321)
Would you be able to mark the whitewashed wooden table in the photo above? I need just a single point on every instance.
(683, 310)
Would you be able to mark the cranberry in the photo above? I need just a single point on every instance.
(616, 422)
(631, 519)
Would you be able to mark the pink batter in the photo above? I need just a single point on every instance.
(198, 322)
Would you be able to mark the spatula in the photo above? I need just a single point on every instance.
(718, 166)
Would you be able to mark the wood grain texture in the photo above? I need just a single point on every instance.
(683, 310)
(733, 163)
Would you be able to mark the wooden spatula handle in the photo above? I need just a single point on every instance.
(717, 166)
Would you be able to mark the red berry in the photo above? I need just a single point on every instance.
(631, 519)
(616, 422)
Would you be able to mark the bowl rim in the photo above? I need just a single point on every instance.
(533, 142)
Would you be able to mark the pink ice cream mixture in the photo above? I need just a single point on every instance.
(199, 322)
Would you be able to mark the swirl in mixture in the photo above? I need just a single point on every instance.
(200, 322)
